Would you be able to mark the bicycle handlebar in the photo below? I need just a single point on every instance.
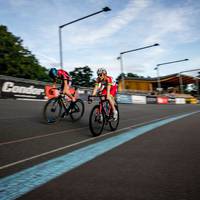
(90, 97)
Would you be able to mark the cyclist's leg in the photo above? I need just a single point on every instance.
(113, 92)
(66, 90)
(110, 98)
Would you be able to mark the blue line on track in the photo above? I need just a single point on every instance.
(16, 185)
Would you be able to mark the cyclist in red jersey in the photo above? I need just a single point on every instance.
(65, 78)
(105, 84)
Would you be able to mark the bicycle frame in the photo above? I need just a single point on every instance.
(64, 100)
(102, 100)
(101, 115)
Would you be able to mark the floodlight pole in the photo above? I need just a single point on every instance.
(166, 63)
(121, 60)
(106, 9)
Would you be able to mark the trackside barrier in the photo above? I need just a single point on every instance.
(191, 101)
(136, 99)
(122, 98)
(19, 88)
(51, 93)
(11, 87)
(180, 101)
(151, 99)
(162, 100)
(171, 100)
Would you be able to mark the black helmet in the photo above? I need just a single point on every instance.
(53, 73)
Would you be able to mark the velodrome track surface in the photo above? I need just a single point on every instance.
(160, 161)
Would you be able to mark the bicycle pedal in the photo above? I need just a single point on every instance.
(63, 115)
(111, 119)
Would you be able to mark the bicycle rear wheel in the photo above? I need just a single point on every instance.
(96, 121)
(77, 109)
(52, 111)
(114, 124)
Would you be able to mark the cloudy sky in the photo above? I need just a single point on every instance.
(97, 41)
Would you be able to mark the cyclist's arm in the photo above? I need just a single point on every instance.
(109, 84)
(95, 89)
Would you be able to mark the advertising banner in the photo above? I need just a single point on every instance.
(171, 100)
(151, 99)
(180, 101)
(138, 99)
(162, 100)
(192, 100)
(17, 89)
(122, 98)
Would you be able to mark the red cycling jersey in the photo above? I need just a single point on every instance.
(104, 83)
(63, 75)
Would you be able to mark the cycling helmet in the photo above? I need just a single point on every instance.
(53, 73)
(101, 71)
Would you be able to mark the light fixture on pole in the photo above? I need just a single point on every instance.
(105, 9)
(166, 63)
(121, 60)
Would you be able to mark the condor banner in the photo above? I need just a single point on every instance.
(20, 88)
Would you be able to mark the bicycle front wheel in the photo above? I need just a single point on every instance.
(52, 111)
(77, 110)
(96, 121)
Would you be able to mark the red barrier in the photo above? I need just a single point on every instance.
(50, 93)
(54, 93)
(162, 100)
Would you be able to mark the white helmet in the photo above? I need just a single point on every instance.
(101, 71)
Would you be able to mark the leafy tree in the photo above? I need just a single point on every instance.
(82, 76)
(120, 76)
(15, 60)
(131, 75)
(128, 75)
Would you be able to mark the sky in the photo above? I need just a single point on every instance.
(97, 41)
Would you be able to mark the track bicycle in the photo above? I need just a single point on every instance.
(59, 107)
(101, 114)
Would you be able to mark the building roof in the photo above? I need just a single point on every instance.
(172, 78)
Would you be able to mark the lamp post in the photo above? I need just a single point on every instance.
(121, 60)
(158, 77)
(106, 9)
(166, 63)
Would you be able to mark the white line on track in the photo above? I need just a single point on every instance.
(78, 143)
(59, 132)
(41, 136)
(54, 133)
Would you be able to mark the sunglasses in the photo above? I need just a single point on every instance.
(100, 75)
